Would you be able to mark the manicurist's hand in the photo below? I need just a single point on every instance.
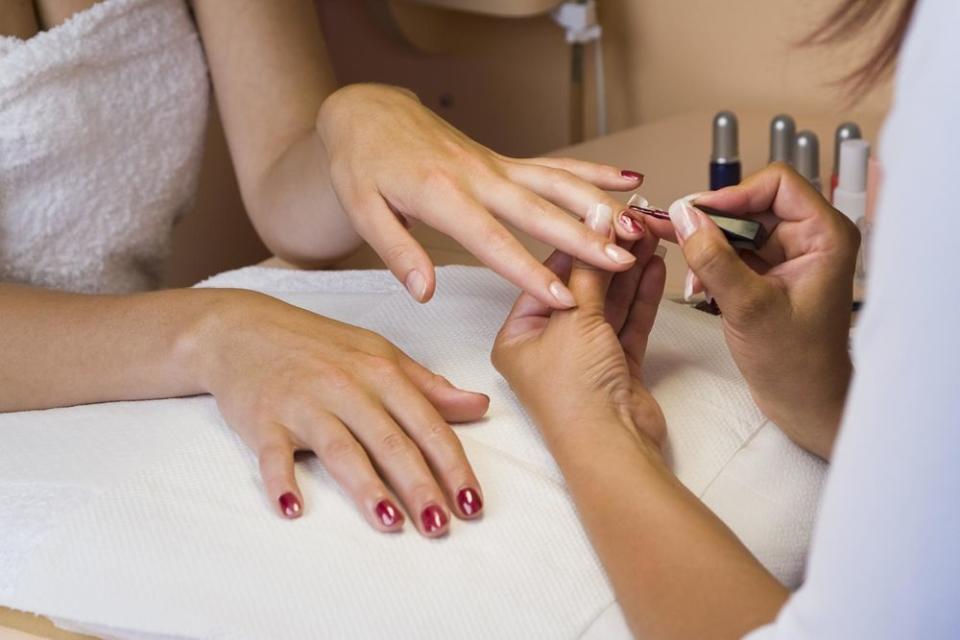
(288, 380)
(580, 370)
(786, 309)
(393, 162)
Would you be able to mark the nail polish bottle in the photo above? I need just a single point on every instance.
(725, 159)
(850, 198)
(808, 157)
(783, 130)
(846, 131)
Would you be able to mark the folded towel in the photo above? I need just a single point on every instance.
(102, 122)
(146, 519)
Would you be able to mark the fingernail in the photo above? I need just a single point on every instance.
(433, 518)
(618, 254)
(562, 294)
(388, 513)
(629, 223)
(416, 284)
(688, 286)
(637, 200)
(685, 219)
(600, 218)
(290, 505)
(469, 501)
(632, 175)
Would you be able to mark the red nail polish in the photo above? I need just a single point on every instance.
(633, 175)
(629, 223)
(290, 505)
(388, 513)
(469, 501)
(433, 518)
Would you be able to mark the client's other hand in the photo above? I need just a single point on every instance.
(577, 368)
(288, 380)
(786, 308)
(393, 162)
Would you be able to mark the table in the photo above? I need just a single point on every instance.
(673, 153)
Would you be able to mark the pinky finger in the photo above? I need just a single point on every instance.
(275, 458)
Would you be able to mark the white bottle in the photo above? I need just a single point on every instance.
(850, 198)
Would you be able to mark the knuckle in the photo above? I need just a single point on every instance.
(438, 180)
(498, 239)
(395, 443)
(707, 255)
(438, 432)
(380, 366)
(398, 253)
(337, 379)
(339, 450)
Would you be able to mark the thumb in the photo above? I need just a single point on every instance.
(713, 260)
(589, 284)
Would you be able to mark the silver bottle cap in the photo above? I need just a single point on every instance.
(783, 130)
(725, 145)
(846, 131)
(808, 155)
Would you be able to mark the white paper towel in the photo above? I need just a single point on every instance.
(147, 519)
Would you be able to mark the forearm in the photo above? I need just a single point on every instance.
(678, 571)
(62, 349)
(295, 209)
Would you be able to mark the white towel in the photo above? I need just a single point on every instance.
(146, 519)
(101, 132)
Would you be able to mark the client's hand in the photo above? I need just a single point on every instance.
(576, 369)
(393, 161)
(289, 380)
(786, 309)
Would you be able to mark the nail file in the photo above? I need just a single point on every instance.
(741, 233)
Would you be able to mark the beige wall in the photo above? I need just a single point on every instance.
(505, 82)
(668, 56)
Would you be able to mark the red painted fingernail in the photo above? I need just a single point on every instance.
(433, 518)
(290, 505)
(633, 175)
(388, 513)
(469, 501)
(629, 223)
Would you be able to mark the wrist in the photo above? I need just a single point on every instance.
(350, 100)
(205, 334)
(575, 434)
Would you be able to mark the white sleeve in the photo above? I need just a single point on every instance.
(885, 560)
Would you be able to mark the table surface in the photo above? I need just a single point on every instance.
(673, 153)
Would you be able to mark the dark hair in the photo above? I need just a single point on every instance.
(848, 20)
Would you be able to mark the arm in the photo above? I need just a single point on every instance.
(284, 379)
(271, 75)
(317, 173)
(62, 349)
(786, 307)
(677, 570)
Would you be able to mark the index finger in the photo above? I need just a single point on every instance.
(778, 188)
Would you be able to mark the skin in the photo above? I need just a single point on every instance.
(320, 171)
(787, 308)
(605, 429)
